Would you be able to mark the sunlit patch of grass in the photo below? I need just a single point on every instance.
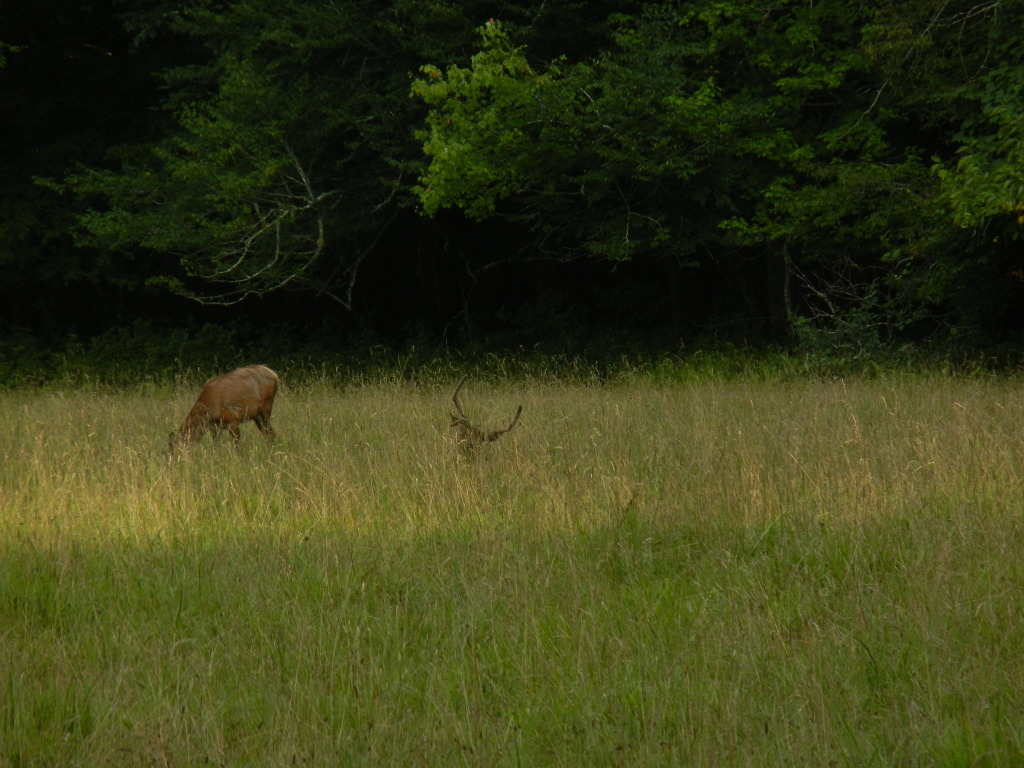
(717, 572)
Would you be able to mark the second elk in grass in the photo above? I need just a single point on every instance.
(468, 437)
(244, 394)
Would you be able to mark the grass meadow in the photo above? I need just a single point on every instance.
(707, 573)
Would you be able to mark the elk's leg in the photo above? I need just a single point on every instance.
(262, 422)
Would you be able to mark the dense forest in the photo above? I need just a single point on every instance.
(819, 175)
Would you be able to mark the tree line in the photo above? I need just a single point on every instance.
(833, 174)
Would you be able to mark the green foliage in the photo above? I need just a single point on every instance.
(71, 87)
(955, 68)
(769, 172)
(290, 148)
(851, 344)
(729, 131)
(988, 181)
(5, 49)
(984, 188)
(573, 143)
(492, 159)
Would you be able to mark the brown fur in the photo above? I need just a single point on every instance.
(244, 394)
(469, 437)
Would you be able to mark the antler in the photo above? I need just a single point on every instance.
(469, 437)
(455, 397)
(499, 432)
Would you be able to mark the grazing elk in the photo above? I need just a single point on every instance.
(226, 401)
(469, 438)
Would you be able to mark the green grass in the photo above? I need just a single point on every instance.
(708, 573)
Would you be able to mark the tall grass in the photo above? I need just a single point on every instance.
(708, 573)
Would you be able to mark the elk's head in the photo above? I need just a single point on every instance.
(176, 444)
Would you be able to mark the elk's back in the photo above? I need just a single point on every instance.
(239, 395)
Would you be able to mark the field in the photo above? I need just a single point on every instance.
(708, 573)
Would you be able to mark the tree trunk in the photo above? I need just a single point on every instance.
(780, 306)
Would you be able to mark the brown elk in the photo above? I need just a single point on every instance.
(468, 437)
(244, 394)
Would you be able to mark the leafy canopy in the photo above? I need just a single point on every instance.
(290, 146)
(731, 133)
